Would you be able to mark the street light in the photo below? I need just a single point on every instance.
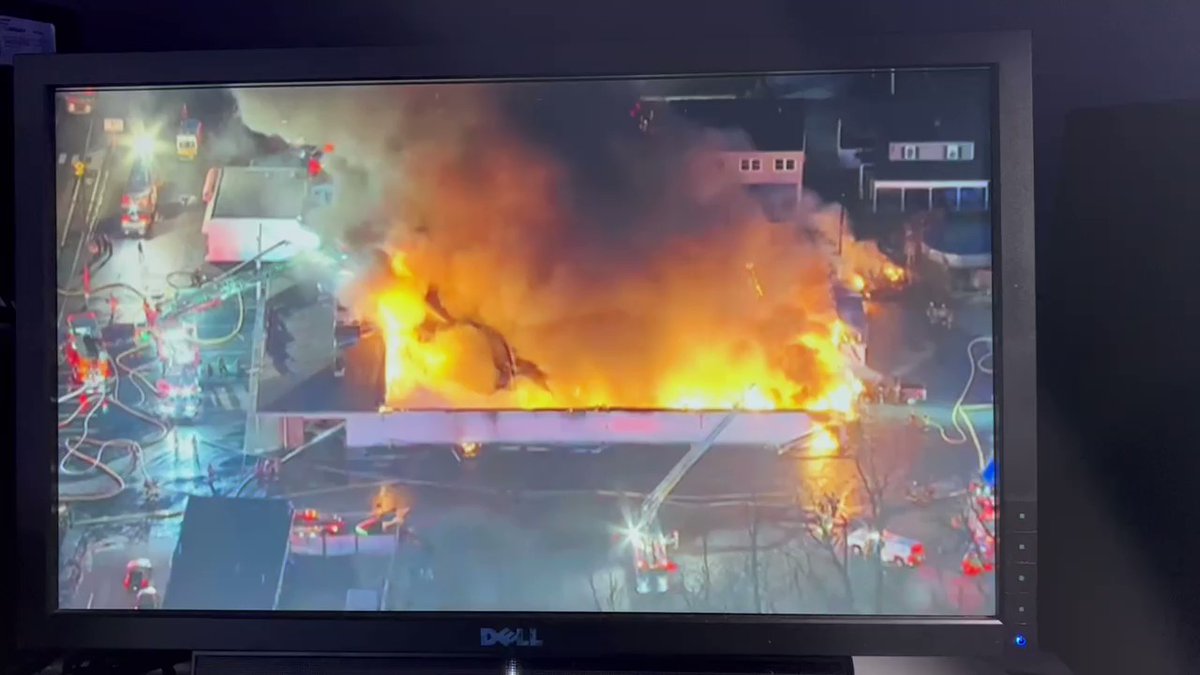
(144, 146)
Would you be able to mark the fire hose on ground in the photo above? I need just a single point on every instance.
(241, 321)
(106, 287)
(291, 455)
(959, 418)
(72, 450)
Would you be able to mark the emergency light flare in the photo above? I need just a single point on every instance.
(144, 145)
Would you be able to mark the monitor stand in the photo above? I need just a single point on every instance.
(223, 663)
(213, 663)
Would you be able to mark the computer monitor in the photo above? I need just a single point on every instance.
(638, 349)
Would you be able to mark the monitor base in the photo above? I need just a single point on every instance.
(210, 663)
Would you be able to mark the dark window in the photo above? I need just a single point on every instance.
(972, 199)
(916, 200)
(745, 165)
(945, 199)
(756, 165)
(791, 165)
(887, 201)
(779, 165)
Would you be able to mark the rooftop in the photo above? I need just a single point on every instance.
(360, 389)
(261, 192)
(971, 236)
(231, 554)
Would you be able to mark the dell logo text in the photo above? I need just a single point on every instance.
(509, 637)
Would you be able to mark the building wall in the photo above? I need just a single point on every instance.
(741, 165)
(935, 151)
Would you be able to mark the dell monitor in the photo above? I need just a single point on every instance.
(585, 349)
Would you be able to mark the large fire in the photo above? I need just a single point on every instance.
(435, 359)
(546, 254)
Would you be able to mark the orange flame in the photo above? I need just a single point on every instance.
(709, 377)
(682, 297)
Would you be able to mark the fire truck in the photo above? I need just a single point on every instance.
(90, 364)
(652, 566)
(187, 140)
(179, 393)
(139, 204)
(81, 102)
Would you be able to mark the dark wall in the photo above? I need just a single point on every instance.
(1086, 53)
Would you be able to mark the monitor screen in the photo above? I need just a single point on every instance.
(704, 345)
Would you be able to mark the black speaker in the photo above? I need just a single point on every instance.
(1119, 360)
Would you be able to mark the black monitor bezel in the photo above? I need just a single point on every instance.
(1006, 55)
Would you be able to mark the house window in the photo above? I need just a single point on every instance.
(952, 151)
(756, 165)
(745, 165)
(916, 200)
(888, 200)
(972, 199)
(791, 165)
(945, 199)
(779, 165)
(908, 152)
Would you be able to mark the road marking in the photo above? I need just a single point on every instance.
(97, 187)
(62, 158)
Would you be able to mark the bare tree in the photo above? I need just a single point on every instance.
(754, 528)
(798, 562)
(608, 598)
(827, 525)
(883, 453)
(705, 569)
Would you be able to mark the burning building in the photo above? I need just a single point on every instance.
(545, 254)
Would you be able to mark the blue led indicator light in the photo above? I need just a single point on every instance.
(1020, 641)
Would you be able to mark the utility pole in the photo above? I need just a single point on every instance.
(258, 290)
(841, 226)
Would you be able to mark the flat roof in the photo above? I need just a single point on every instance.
(321, 394)
(260, 192)
(231, 554)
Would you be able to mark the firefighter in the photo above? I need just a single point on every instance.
(141, 253)
(151, 313)
(222, 368)
(112, 309)
(152, 492)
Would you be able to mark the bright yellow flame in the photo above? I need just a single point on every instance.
(858, 283)
(400, 312)
(893, 273)
(724, 377)
(823, 443)
(469, 449)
